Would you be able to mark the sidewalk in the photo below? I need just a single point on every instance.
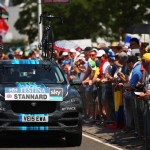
(117, 137)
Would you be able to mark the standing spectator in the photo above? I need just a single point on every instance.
(66, 68)
(118, 88)
(135, 76)
(105, 86)
(90, 89)
(146, 97)
(73, 55)
(84, 73)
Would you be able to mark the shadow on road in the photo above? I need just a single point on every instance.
(31, 142)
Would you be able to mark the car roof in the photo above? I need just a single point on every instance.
(28, 62)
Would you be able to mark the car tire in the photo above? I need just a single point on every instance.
(74, 139)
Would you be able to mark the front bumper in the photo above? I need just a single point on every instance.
(59, 121)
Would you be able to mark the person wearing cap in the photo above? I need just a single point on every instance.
(73, 55)
(145, 95)
(81, 63)
(90, 89)
(65, 57)
(111, 60)
(104, 85)
(116, 47)
(65, 66)
(120, 77)
(90, 56)
(146, 76)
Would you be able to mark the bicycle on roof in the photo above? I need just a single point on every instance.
(47, 41)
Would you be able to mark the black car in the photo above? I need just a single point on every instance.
(35, 97)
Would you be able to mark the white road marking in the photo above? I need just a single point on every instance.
(97, 140)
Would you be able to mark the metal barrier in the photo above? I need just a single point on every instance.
(147, 124)
(141, 109)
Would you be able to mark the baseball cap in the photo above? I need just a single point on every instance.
(87, 49)
(64, 53)
(81, 56)
(100, 53)
(146, 56)
(111, 54)
(72, 50)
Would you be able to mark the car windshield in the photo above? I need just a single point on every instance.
(31, 73)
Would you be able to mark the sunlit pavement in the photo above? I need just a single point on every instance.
(117, 137)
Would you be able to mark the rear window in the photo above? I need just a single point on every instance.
(31, 73)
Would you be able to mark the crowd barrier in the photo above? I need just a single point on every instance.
(141, 116)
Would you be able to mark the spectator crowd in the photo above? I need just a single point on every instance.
(115, 84)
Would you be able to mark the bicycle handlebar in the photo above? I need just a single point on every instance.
(50, 17)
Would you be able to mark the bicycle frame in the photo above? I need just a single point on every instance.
(47, 41)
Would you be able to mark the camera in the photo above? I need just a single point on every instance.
(140, 87)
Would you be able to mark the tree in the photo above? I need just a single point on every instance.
(85, 18)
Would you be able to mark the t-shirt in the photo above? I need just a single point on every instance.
(135, 75)
(95, 72)
(106, 68)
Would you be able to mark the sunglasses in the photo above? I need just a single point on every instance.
(92, 55)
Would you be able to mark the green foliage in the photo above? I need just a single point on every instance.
(85, 18)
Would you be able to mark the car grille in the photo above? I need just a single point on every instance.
(33, 107)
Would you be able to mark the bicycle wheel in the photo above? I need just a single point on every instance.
(47, 43)
(43, 45)
(49, 40)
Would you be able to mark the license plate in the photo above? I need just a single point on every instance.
(33, 118)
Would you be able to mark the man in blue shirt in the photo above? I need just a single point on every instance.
(134, 65)
(135, 76)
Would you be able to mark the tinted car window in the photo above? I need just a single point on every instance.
(31, 73)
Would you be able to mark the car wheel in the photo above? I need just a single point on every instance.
(73, 139)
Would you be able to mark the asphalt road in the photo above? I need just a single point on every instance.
(42, 143)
